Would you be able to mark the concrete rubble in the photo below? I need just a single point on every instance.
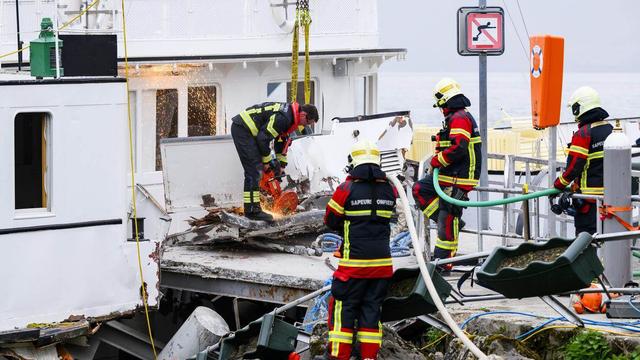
(220, 227)
(393, 347)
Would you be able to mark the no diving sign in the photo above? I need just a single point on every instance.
(480, 30)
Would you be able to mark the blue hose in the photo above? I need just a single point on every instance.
(329, 242)
(319, 310)
(400, 245)
(631, 326)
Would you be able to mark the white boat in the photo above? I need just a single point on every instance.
(192, 66)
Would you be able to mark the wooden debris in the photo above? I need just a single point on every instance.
(213, 216)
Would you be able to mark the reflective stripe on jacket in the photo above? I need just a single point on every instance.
(269, 121)
(585, 161)
(460, 156)
(360, 210)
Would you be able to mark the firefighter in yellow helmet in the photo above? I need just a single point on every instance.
(585, 161)
(458, 156)
(360, 210)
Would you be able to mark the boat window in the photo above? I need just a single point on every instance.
(361, 96)
(365, 95)
(31, 137)
(166, 119)
(277, 91)
(202, 111)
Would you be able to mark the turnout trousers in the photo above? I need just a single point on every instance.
(586, 218)
(354, 310)
(447, 216)
(250, 157)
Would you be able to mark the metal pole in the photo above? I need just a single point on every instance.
(525, 220)
(480, 246)
(484, 174)
(617, 236)
(617, 193)
(57, 41)
(18, 32)
(553, 146)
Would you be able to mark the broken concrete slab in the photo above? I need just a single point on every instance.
(223, 227)
(251, 266)
(204, 235)
(300, 223)
(248, 273)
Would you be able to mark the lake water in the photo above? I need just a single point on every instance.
(620, 93)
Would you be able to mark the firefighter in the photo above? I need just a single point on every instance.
(253, 130)
(458, 156)
(585, 161)
(360, 210)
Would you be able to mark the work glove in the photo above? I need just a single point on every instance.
(274, 166)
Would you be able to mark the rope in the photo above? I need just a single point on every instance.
(609, 211)
(303, 18)
(504, 201)
(64, 26)
(522, 17)
(133, 182)
(526, 52)
(434, 342)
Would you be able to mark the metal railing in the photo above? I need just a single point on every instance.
(514, 217)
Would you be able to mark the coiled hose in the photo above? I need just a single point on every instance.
(400, 245)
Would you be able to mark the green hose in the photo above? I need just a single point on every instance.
(488, 203)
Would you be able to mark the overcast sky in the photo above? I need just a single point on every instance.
(600, 35)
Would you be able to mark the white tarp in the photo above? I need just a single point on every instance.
(322, 158)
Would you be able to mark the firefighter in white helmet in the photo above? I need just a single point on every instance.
(585, 161)
(458, 156)
(360, 210)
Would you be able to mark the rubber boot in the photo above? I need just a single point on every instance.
(438, 253)
(255, 213)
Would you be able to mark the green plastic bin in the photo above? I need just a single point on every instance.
(276, 339)
(573, 269)
(418, 301)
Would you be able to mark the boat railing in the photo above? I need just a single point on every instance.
(520, 222)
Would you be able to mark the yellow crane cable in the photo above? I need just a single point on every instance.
(133, 182)
(294, 56)
(302, 17)
(306, 22)
(64, 26)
